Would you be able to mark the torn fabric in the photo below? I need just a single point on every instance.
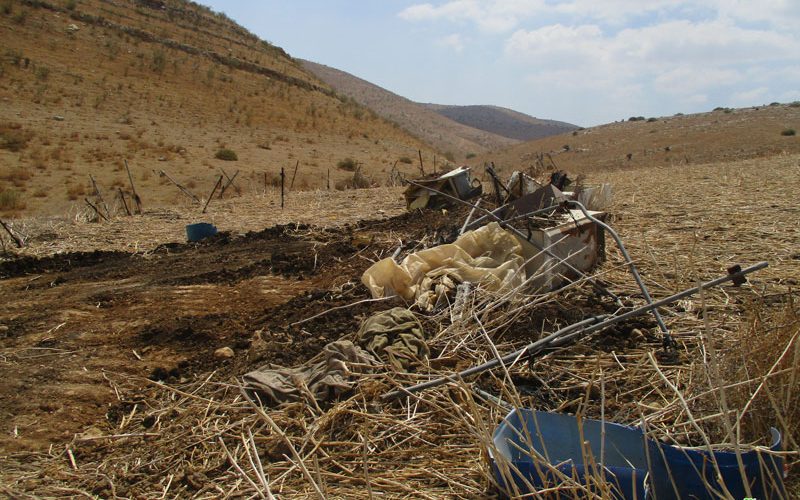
(396, 336)
(325, 380)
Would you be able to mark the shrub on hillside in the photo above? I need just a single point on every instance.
(348, 164)
(159, 62)
(11, 199)
(405, 159)
(471, 155)
(42, 73)
(358, 181)
(636, 119)
(794, 104)
(651, 120)
(13, 138)
(788, 132)
(226, 155)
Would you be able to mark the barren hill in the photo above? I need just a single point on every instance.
(165, 85)
(433, 127)
(502, 121)
(720, 135)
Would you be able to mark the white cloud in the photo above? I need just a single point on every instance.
(495, 16)
(507, 15)
(453, 41)
(633, 57)
(779, 14)
(677, 57)
(749, 97)
(688, 80)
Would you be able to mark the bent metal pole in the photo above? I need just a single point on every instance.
(569, 333)
(630, 264)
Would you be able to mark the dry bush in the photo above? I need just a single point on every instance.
(18, 176)
(348, 165)
(11, 199)
(13, 137)
(76, 191)
(357, 181)
(226, 155)
(763, 358)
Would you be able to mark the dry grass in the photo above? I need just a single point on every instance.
(144, 84)
(675, 141)
(737, 366)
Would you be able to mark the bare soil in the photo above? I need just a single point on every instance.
(71, 319)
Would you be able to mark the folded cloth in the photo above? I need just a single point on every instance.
(395, 336)
(326, 379)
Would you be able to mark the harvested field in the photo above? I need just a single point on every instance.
(111, 388)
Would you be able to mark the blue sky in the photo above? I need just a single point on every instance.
(582, 61)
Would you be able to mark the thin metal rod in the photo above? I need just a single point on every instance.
(477, 221)
(570, 333)
(508, 358)
(469, 217)
(630, 263)
(216, 185)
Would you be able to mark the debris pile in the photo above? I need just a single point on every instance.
(538, 243)
(516, 355)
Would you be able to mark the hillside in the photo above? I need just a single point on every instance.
(444, 133)
(502, 121)
(164, 85)
(720, 135)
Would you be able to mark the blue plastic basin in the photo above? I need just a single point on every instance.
(630, 465)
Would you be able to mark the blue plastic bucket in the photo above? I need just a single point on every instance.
(200, 231)
(633, 465)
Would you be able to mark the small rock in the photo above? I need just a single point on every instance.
(72, 28)
(3, 328)
(162, 158)
(224, 353)
(58, 118)
(89, 434)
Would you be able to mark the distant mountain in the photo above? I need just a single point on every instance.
(428, 124)
(724, 134)
(502, 121)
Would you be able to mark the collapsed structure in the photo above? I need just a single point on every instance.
(539, 238)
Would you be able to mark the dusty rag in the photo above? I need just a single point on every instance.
(395, 336)
(325, 380)
(489, 255)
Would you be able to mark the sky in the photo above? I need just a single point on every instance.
(585, 62)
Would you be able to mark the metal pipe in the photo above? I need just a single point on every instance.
(630, 263)
(569, 333)
(477, 221)
(508, 358)
(469, 217)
